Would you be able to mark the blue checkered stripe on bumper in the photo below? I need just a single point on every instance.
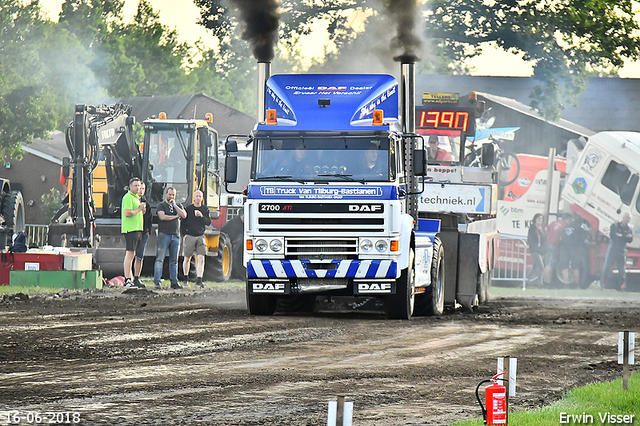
(343, 269)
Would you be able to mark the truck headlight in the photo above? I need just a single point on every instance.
(275, 245)
(381, 246)
(261, 246)
(366, 245)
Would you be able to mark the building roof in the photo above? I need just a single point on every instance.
(528, 111)
(226, 119)
(52, 149)
(144, 107)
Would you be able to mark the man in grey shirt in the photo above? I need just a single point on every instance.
(169, 215)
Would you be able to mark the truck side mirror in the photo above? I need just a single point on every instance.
(488, 154)
(420, 162)
(66, 167)
(231, 146)
(231, 169)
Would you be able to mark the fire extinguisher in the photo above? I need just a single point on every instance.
(495, 412)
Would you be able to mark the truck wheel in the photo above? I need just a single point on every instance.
(431, 302)
(401, 304)
(260, 304)
(219, 268)
(484, 282)
(13, 211)
(62, 215)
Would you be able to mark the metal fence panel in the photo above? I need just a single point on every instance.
(512, 260)
(38, 234)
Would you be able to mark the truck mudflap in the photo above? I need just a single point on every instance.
(424, 236)
(322, 269)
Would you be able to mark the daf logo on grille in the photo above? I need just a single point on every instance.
(376, 208)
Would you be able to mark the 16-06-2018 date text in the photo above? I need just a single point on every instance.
(15, 417)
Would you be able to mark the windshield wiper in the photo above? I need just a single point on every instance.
(345, 177)
(276, 177)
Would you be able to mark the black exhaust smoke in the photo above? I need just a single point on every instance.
(404, 13)
(260, 18)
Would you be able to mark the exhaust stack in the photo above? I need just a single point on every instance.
(264, 72)
(407, 93)
(408, 107)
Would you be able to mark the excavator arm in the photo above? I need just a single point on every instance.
(105, 130)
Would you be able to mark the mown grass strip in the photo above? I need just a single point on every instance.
(596, 404)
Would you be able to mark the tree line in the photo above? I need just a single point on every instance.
(91, 54)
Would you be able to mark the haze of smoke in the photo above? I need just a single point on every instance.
(260, 19)
(372, 52)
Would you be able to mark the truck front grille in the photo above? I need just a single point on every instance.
(338, 249)
(320, 224)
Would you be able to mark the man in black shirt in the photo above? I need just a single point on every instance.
(194, 225)
(620, 234)
(169, 215)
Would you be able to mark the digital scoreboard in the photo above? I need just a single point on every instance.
(440, 111)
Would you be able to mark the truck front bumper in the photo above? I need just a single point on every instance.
(354, 277)
(322, 269)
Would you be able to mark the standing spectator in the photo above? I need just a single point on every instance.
(146, 228)
(575, 245)
(194, 225)
(132, 225)
(169, 215)
(554, 235)
(620, 234)
(537, 241)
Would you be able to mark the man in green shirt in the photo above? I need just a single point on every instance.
(132, 225)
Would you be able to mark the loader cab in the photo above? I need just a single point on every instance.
(182, 154)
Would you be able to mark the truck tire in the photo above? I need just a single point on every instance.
(260, 304)
(219, 268)
(431, 302)
(484, 282)
(62, 215)
(13, 211)
(401, 304)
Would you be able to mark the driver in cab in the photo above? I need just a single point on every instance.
(295, 165)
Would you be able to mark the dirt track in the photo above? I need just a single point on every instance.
(195, 356)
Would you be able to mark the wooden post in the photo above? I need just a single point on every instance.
(340, 414)
(625, 360)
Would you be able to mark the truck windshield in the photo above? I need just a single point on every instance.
(317, 159)
(168, 149)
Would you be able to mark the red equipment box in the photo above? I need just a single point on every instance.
(29, 261)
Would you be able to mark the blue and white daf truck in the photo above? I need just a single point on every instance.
(342, 201)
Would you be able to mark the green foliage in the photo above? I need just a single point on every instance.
(563, 40)
(50, 202)
(28, 103)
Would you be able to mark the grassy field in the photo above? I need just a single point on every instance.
(593, 291)
(148, 281)
(591, 404)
